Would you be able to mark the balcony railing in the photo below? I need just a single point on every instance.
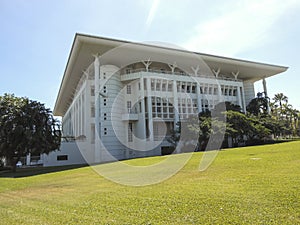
(131, 115)
(160, 71)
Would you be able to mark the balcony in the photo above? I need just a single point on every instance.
(133, 74)
(131, 115)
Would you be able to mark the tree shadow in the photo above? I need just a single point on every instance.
(33, 171)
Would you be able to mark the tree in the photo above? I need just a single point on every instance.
(259, 105)
(26, 126)
(280, 98)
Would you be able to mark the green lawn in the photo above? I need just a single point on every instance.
(252, 185)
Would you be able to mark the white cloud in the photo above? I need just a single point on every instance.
(242, 28)
(152, 13)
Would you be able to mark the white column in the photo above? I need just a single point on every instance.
(199, 98)
(28, 157)
(265, 87)
(80, 114)
(243, 99)
(149, 107)
(97, 110)
(266, 94)
(86, 108)
(239, 97)
(175, 103)
(142, 91)
(220, 96)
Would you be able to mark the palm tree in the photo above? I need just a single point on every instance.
(274, 110)
(280, 98)
(295, 115)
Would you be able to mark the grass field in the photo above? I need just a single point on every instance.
(251, 185)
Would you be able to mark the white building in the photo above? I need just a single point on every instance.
(120, 99)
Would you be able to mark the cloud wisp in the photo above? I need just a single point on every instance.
(152, 13)
(247, 25)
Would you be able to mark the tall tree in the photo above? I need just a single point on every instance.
(281, 99)
(26, 126)
(259, 105)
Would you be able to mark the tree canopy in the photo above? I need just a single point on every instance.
(263, 121)
(26, 126)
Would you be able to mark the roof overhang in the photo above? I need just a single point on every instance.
(86, 46)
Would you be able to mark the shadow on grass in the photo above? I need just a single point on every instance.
(275, 141)
(33, 171)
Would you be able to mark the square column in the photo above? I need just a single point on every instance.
(175, 103)
(97, 110)
(199, 105)
(149, 109)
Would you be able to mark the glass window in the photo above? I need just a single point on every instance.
(130, 136)
(128, 89)
(92, 91)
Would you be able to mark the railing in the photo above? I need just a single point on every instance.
(161, 71)
(153, 71)
(132, 111)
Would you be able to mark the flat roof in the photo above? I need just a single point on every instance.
(116, 53)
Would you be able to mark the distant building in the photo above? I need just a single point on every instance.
(118, 98)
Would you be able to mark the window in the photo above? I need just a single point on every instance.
(193, 89)
(130, 136)
(226, 91)
(92, 91)
(152, 84)
(215, 91)
(92, 110)
(183, 87)
(234, 92)
(129, 106)
(62, 157)
(164, 86)
(188, 89)
(170, 86)
(128, 89)
(158, 85)
(145, 84)
(92, 133)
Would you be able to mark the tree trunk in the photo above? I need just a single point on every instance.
(14, 167)
(13, 164)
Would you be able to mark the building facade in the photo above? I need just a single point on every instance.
(121, 100)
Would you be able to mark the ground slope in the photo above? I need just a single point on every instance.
(252, 185)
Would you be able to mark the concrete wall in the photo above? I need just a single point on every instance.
(69, 149)
(249, 91)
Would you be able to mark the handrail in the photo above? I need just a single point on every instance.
(132, 71)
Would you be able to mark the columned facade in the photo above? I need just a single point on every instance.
(118, 107)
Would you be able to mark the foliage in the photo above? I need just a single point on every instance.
(252, 185)
(286, 116)
(26, 126)
(259, 105)
(262, 120)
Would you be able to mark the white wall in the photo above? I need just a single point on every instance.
(71, 149)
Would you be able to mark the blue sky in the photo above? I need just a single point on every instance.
(36, 36)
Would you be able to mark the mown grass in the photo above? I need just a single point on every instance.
(252, 185)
